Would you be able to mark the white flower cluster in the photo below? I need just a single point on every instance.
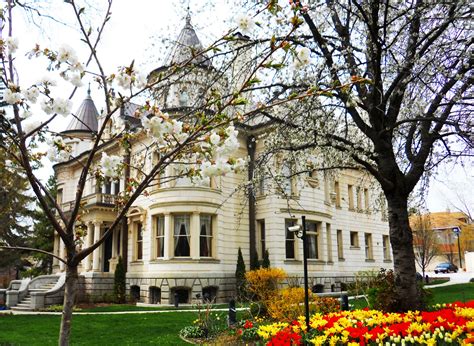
(57, 105)
(302, 58)
(245, 23)
(127, 78)
(75, 70)
(11, 44)
(58, 151)
(111, 165)
(161, 127)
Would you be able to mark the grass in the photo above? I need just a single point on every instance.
(436, 282)
(134, 329)
(445, 294)
(130, 307)
(129, 329)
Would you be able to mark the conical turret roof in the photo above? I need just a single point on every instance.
(85, 119)
(187, 46)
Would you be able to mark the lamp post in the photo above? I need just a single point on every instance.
(457, 232)
(300, 232)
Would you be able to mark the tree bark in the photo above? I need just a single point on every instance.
(401, 239)
(69, 299)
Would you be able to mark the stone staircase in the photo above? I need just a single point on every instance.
(25, 303)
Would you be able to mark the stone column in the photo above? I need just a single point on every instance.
(321, 227)
(194, 224)
(169, 250)
(56, 251)
(115, 235)
(62, 252)
(89, 238)
(329, 242)
(96, 253)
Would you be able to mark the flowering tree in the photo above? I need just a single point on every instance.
(409, 106)
(200, 143)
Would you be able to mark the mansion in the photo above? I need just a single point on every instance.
(180, 240)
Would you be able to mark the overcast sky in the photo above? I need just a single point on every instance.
(141, 30)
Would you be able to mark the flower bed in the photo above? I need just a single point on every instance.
(449, 324)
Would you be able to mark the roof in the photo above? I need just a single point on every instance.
(442, 220)
(186, 47)
(85, 119)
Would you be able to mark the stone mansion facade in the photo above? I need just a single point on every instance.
(182, 238)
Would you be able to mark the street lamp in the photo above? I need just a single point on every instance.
(457, 232)
(300, 232)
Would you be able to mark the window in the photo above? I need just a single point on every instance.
(205, 236)
(261, 238)
(354, 239)
(289, 239)
(209, 294)
(155, 158)
(368, 246)
(329, 241)
(182, 236)
(135, 293)
(154, 295)
(107, 186)
(350, 193)
(337, 191)
(160, 236)
(286, 183)
(139, 241)
(366, 200)
(182, 294)
(340, 248)
(59, 196)
(261, 183)
(116, 187)
(386, 248)
(312, 234)
(359, 198)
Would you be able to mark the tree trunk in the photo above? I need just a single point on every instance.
(69, 299)
(401, 239)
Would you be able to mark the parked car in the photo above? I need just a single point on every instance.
(445, 268)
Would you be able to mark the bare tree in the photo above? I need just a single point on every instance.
(424, 241)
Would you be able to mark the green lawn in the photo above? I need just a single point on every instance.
(127, 307)
(125, 329)
(445, 294)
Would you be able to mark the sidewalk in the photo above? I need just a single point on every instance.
(454, 278)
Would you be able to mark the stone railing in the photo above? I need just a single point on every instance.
(95, 199)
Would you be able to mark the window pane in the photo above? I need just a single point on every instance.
(139, 241)
(290, 239)
(160, 236)
(205, 241)
(181, 235)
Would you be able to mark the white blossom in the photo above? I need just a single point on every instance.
(239, 164)
(31, 94)
(140, 80)
(245, 23)
(47, 106)
(215, 138)
(110, 165)
(76, 80)
(47, 81)
(11, 44)
(302, 58)
(30, 125)
(67, 54)
(124, 80)
(62, 106)
(177, 126)
(11, 97)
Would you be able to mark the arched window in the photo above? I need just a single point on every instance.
(154, 296)
(180, 293)
(209, 294)
(135, 293)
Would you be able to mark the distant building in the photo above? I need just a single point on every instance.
(445, 226)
